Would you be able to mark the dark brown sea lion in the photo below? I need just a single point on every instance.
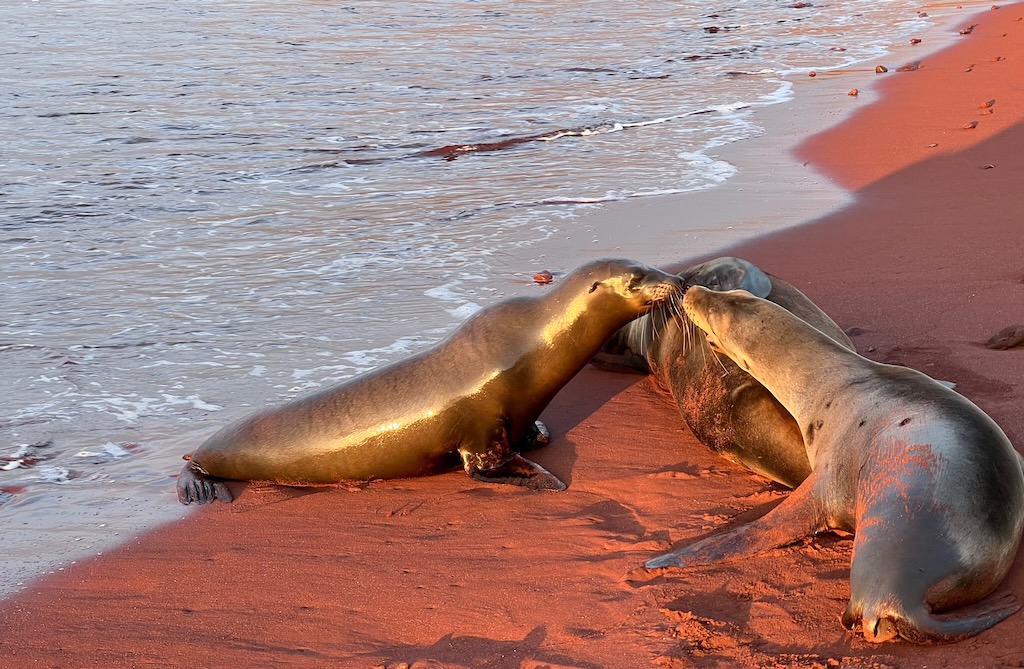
(929, 483)
(725, 408)
(477, 394)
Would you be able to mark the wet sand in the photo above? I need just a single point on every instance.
(446, 572)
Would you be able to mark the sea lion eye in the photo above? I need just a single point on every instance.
(594, 287)
(634, 282)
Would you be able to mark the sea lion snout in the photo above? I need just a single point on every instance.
(666, 287)
(695, 304)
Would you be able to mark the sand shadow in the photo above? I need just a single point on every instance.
(481, 652)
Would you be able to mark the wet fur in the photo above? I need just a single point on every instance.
(476, 395)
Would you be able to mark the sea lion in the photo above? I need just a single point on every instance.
(928, 482)
(726, 408)
(476, 394)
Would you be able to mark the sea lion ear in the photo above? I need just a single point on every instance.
(753, 280)
(594, 287)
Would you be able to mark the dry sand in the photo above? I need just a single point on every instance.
(446, 572)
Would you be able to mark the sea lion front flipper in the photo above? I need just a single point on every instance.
(517, 470)
(796, 517)
(499, 463)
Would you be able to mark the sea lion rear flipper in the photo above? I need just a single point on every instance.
(918, 625)
(518, 471)
(196, 486)
(796, 517)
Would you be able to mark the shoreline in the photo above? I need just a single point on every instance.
(400, 575)
(742, 207)
(774, 188)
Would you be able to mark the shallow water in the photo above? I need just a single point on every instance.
(207, 208)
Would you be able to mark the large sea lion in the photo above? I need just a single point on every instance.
(726, 408)
(929, 483)
(477, 394)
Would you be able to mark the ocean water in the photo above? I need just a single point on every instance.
(206, 208)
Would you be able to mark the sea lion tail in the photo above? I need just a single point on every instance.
(921, 626)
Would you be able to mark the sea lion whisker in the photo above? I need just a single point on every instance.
(664, 312)
(650, 325)
(687, 334)
(676, 309)
(718, 359)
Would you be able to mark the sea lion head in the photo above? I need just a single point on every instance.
(730, 319)
(634, 285)
(729, 273)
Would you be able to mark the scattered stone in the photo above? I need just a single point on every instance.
(970, 126)
(879, 69)
(1006, 338)
(543, 276)
(853, 91)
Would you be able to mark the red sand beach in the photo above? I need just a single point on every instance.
(446, 572)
